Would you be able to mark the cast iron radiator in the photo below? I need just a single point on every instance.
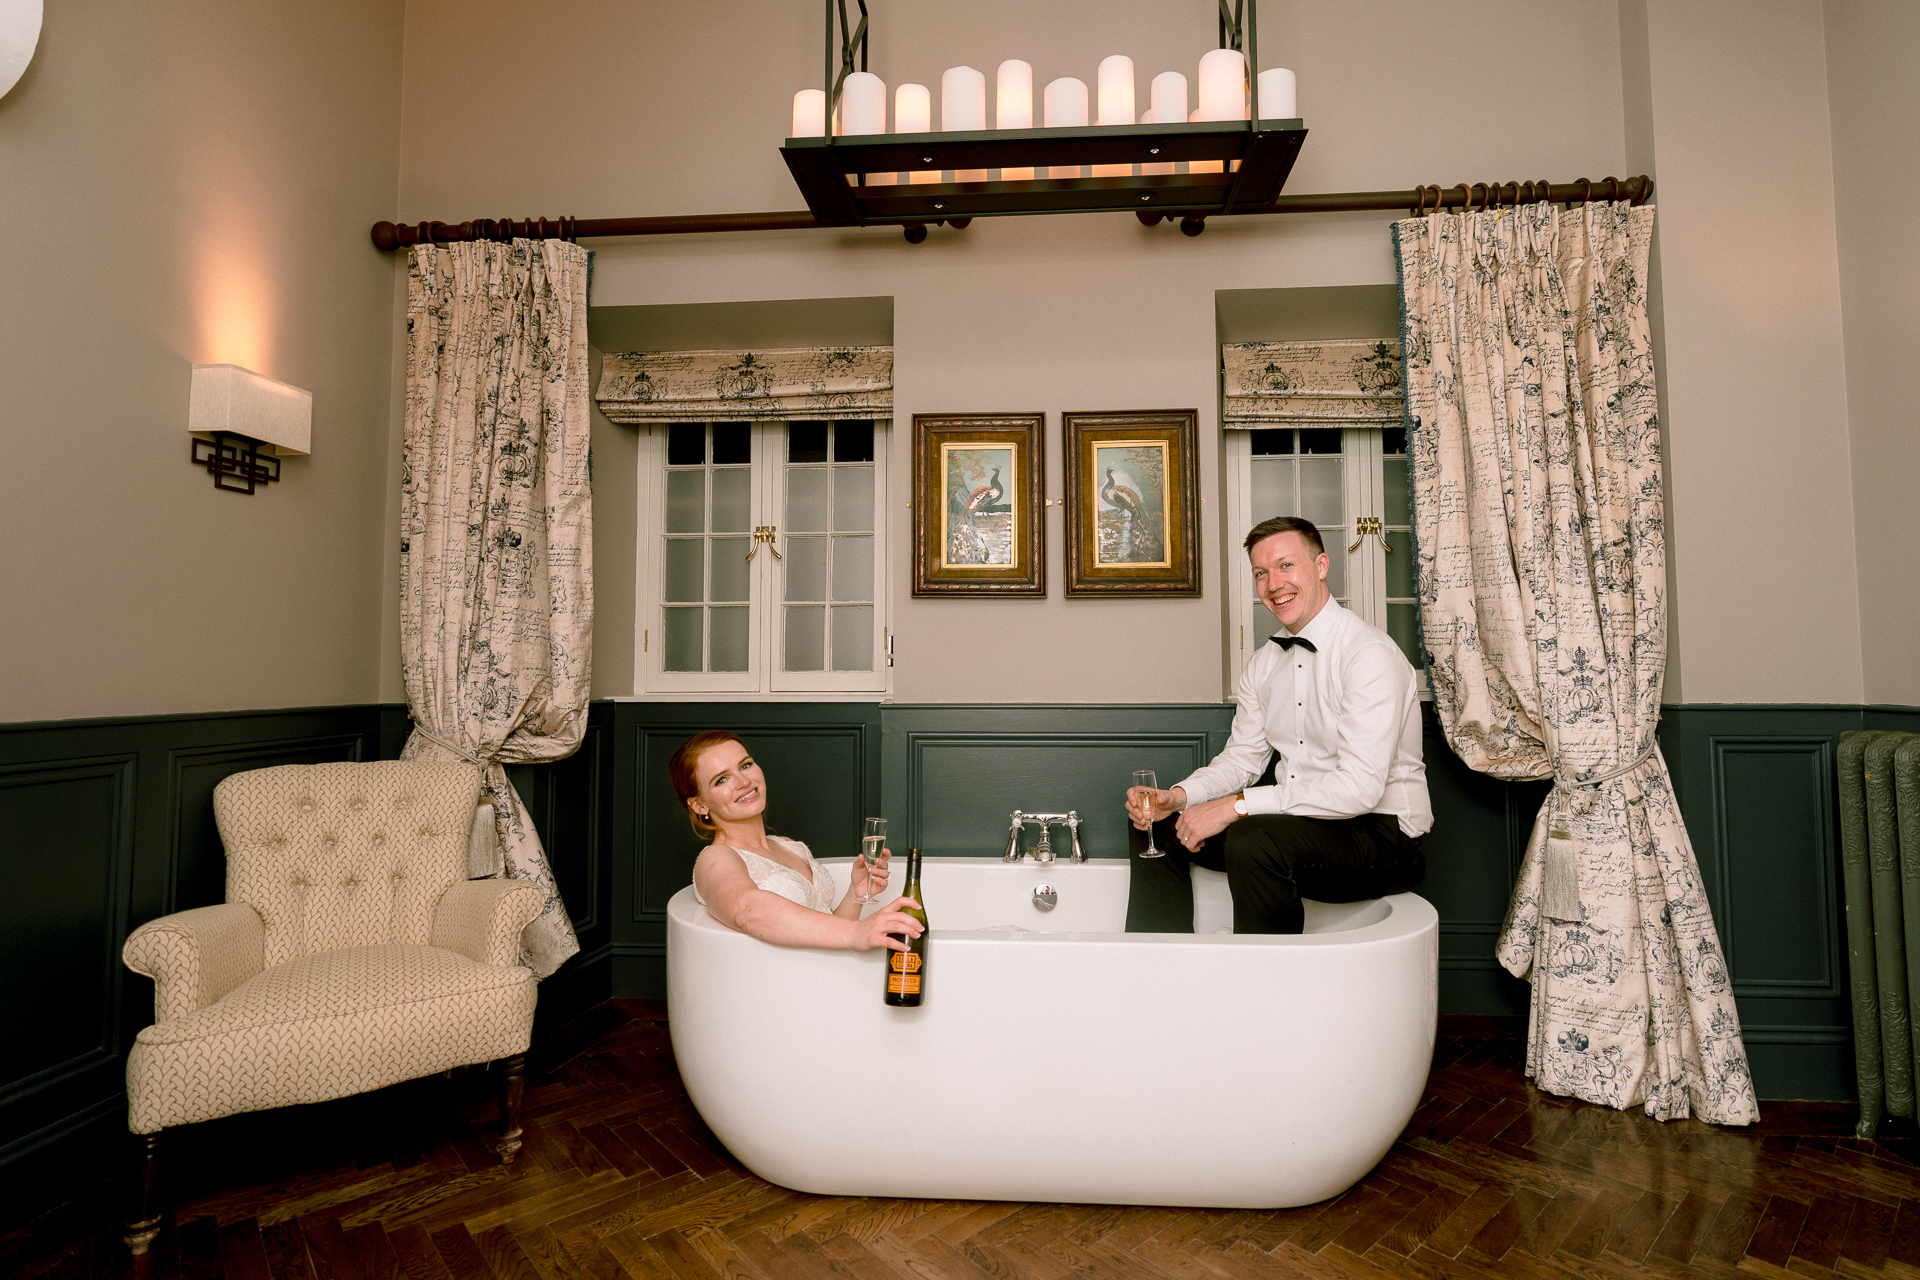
(1880, 855)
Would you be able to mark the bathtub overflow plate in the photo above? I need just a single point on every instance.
(1045, 897)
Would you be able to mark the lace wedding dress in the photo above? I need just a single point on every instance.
(775, 877)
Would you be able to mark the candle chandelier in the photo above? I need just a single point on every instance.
(1229, 154)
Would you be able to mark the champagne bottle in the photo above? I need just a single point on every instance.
(907, 970)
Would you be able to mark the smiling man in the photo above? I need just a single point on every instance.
(1320, 792)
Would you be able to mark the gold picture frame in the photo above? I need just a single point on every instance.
(1133, 480)
(979, 525)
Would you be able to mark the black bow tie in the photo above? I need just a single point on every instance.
(1287, 642)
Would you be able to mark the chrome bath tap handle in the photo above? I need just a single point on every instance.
(1073, 830)
(1014, 832)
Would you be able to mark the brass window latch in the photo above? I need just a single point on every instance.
(765, 533)
(1368, 525)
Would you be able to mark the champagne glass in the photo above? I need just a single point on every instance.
(872, 837)
(1145, 778)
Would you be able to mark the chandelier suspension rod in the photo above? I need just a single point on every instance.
(388, 236)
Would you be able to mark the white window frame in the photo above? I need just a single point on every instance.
(1363, 482)
(764, 680)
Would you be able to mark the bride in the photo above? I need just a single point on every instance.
(767, 885)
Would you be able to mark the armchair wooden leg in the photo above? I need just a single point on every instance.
(143, 1213)
(513, 1085)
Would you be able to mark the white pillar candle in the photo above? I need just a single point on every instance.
(809, 114)
(1153, 166)
(1116, 105)
(1169, 96)
(863, 104)
(1278, 95)
(1200, 166)
(1223, 85)
(913, 113)
(1013, 106)
(963, 108)
(1116, 90)
(1064, 102)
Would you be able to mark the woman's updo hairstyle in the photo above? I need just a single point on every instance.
(680, 770)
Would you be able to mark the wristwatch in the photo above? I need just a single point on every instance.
(1240, 804)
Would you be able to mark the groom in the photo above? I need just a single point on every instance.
(1328, 735)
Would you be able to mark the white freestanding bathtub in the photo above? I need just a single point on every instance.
(1074, 1063)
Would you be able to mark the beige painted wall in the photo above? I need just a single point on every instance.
(192, 183)
(1755, 383)
(1871, 47)
(1017, 314)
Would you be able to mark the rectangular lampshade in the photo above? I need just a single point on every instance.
(227, 398)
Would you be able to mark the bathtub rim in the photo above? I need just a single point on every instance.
(1408, 915)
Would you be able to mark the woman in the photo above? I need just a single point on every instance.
(770, 886)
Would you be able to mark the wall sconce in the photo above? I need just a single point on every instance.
(254, 422)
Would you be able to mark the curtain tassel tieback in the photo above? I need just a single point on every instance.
(1560, 880)
(485, 858)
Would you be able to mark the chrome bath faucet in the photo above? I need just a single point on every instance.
(1042, 852)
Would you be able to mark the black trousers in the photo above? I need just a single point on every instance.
(1273, 860)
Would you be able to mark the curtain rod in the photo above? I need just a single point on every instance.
(388, 236)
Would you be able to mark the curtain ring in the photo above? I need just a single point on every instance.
(1613, 189)
(1466, 195)
(1586, 191)
(1646, 191)
(426, 234)
(1419, 203)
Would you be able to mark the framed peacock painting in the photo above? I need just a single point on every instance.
(978, 527)
(1133, 484)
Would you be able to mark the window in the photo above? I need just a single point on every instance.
(764, 563)
(1340, 478)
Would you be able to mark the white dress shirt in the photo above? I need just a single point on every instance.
(1345, 720)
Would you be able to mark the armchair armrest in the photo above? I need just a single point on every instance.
(482, 919)
(195, 957)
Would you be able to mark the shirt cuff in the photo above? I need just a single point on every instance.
(1196, 794)
(1264, 800)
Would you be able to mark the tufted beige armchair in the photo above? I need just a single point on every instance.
(351, 953)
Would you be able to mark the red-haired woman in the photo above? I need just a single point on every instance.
(769, 886)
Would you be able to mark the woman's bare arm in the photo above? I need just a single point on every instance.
(734, 900)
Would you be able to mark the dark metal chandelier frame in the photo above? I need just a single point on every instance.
(851, 180)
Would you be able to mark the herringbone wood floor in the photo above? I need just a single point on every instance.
(620, 1178)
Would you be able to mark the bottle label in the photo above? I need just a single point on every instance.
(903, 984)
(903, 962)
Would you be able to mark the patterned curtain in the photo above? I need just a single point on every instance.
(747, 386)
(1312, 384)
(496, 541)
(1540, 545)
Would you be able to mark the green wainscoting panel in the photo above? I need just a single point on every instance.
(1759, 793)
(953, 774)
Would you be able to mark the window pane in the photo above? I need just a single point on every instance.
(806, 637)
(685, 557)
(1393, 440)
(732, 444)
(1320, 440)
(1399, 564)
(806, 569)
(1264, 625)
(730, 568)
(853, 499)
(853, 569)
(686, 501)
(1402, 625)
(806, 442)
(683, 640)
(1321, 500)
(732, 501)
(853, 638)
(1393, 499)
(686, 444)
(1336, 567)
(853, 440)
(729, 639)
(807, 500)
(1272, 440)
(1272, 489)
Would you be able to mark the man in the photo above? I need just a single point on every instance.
(1329, 725)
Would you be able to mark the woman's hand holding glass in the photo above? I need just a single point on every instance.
(877, 929)
(869, 881)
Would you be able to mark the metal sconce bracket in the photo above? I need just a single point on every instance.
(238, 458)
